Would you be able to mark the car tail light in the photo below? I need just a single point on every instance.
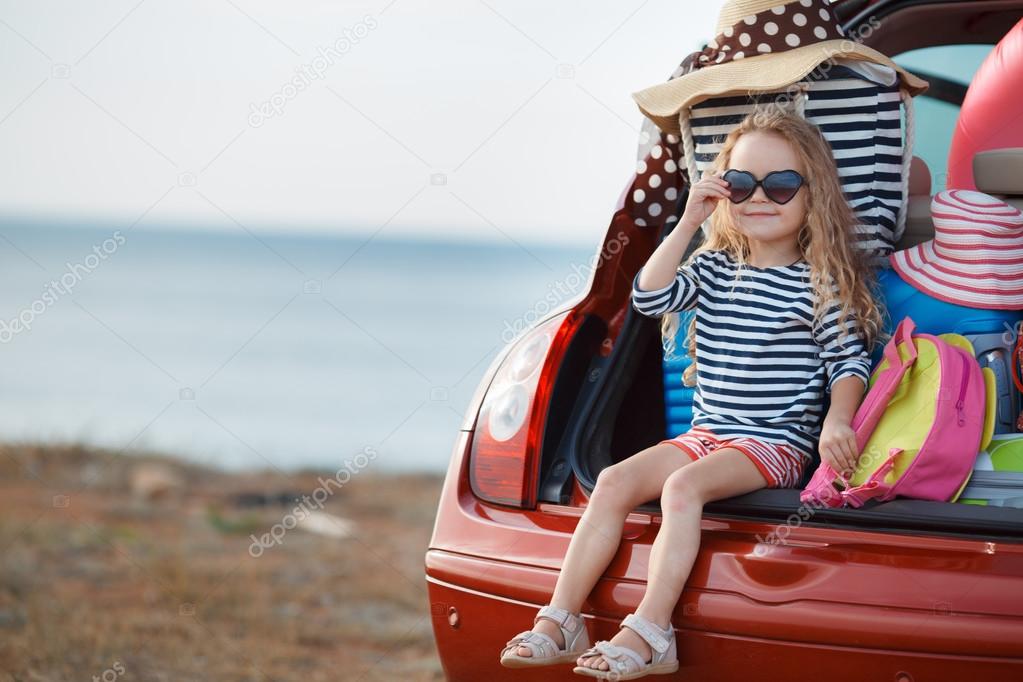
(503, 461)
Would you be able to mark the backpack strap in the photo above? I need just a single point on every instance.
(873, 486)
(866, 418)
(821, 490)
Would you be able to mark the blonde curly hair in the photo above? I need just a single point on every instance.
(838, 269)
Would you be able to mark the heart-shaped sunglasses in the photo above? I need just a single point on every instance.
(779, 186)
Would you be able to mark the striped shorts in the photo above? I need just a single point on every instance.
(782, 465)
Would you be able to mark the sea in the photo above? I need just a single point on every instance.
(254, 350)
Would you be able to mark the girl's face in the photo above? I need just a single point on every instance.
(758, 217)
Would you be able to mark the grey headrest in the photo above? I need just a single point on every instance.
(999, 171)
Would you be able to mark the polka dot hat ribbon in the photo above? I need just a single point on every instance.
(775, 29)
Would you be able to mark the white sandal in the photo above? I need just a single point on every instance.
(625, 663)
(544, 649)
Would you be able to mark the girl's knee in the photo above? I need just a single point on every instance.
(682, 490)
(614, 488)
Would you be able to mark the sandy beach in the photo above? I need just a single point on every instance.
(148, 568)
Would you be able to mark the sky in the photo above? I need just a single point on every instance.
(471, 119)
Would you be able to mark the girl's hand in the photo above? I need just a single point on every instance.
(703, 197)
(837, 446)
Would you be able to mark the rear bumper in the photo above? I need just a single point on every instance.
(721, 636)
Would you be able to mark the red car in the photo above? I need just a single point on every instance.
(904, 591)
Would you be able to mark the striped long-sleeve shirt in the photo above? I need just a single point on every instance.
(762, 365)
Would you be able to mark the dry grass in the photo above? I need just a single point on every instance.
(95, 581)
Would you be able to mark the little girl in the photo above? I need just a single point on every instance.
(783, 315)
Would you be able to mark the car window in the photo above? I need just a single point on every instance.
(936, 119)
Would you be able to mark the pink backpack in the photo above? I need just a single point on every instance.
(910, 453)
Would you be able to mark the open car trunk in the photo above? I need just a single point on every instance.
(605, 409)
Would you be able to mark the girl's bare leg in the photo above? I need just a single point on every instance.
(620, 488)
(723, 473)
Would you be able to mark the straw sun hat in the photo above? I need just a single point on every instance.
(760, 46)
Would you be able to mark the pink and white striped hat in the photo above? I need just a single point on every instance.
(976, 256)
